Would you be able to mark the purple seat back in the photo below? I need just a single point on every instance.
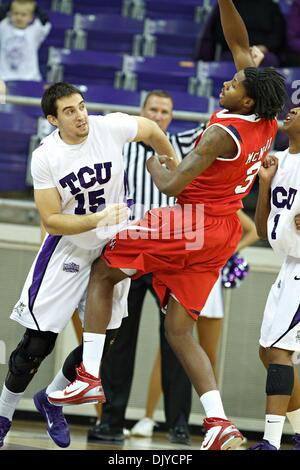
(110, 95)
(87, 66)
(98, 7)
(160, 72)
(110, 33)
(156, 9)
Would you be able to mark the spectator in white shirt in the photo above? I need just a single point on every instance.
(23, 28)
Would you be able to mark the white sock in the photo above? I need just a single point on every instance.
(93, 344)
(9, 402)
(58, 383)
(212, 404)
(273, 429)
(294, 419)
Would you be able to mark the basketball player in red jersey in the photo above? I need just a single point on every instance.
(216, 175)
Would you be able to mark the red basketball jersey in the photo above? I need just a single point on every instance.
(226, 182)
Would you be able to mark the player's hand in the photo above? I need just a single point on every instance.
(268, 169)
(297, 221)
(257, 55)
(170, 163)
(150, 161)
(113, 214)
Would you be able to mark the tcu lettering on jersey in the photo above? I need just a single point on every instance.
(283, 198)
(87, 177)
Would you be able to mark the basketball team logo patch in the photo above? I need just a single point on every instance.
(71, 268)
(19, 308)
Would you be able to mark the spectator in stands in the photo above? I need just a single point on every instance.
(293, 35)
(266, 28)
(23, 28)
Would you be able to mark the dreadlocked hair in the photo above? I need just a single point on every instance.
(267, 88)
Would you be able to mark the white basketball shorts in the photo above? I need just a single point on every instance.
(56, 285)
(281, 321)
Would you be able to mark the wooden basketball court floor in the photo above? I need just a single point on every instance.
(30, 435)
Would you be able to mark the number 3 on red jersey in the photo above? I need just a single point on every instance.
(251, 174)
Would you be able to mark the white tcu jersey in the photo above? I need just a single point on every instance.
(87, 175)
(19, 50)
(285, 205)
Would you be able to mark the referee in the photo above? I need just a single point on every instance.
(117, 367)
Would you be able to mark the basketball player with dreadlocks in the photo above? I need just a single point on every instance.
(217, 174)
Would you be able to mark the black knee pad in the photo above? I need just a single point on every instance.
(72, 361)
(31, 351)
(280, 380)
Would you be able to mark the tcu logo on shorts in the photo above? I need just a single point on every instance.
(282, 198)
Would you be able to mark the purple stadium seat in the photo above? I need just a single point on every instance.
(109, 33)
(16, 130)
(188, 103)
(13, 172)
(181, 126)
(109, 95)
(171, 37)
(145, 73)
(106, 7)
(194, 104)
(26, 88)
(171, 9)
(61, 22)
(83, 66)
(45, 5)
(217, 72)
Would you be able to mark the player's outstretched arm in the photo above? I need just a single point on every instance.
(214, 143)
(236, 34)
(151, 134)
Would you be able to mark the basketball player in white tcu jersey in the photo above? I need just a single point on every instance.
(78, 172)
(277, 208)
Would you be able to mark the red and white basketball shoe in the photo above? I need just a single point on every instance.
(85, 389)
(221, 434)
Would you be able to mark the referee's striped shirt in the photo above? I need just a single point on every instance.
(140, 184)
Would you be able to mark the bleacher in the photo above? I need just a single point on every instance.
(115, 50)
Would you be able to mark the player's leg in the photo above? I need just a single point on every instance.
(279, 388)
(177, 391)
(221, 433)
(117, 370)
(87, 387)
(24, 362)
(209, 323)
(209, 333)
(293, 409)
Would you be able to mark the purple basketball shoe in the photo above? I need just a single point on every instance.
(296, 442)
(263, 445)
(57, 426)
(4, 428)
